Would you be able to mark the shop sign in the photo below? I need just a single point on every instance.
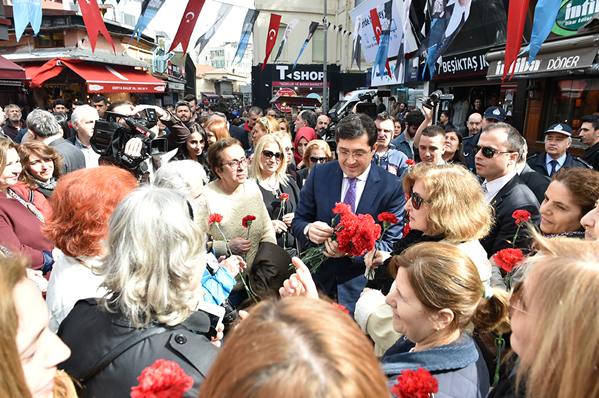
(286, 74)
(124, 88)
(285, 92)
(574, 14)
(465, 63)
(552, 62)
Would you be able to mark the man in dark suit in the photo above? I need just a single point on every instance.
(558, 138)
(356, 180)
(499, 148)
(534, 180)
(492, 115)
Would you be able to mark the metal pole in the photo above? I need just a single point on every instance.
(325, 88)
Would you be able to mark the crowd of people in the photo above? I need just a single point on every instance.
(187, 260)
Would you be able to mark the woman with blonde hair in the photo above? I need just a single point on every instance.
(296, 347)
(216, 129)
(316, 152)
(29, 351)
(445, 203)
(269, 168)
(554, 316)
(152, 275)
(263, 126)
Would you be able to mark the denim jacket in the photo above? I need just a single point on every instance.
(458, 367)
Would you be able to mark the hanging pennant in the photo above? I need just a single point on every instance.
(400, 62)
(94, 23)
(222, 13)
(149, 9)
(517, 12)
(290, 26)
(188, 22)
(545, 15)
(246, 32)
(311, 30)
(271, 37)
(376, 27)
(25, 12)
(357, 43)
(381, 54)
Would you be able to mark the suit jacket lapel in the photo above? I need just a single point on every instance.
(333, 189)
(371, 190)
(503, 191)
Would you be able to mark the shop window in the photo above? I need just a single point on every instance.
(50, 40)
(570, 100)
(318, 46)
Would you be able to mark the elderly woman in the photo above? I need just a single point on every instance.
(30, 352)
(571, 194)
(152, 275)
(83, 202)
(21, 219)
(437, 293)
(558, 296)
(42, 166)
(269, 168)
(290, 340)
(233, 197)
(188, 177)
(316, 152)
(446, 204)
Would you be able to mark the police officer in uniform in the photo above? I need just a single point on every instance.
(492, 115)
(558, 138)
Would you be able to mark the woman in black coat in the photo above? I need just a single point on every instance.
(152, 273)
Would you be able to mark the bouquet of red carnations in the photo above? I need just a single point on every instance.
(356, 234)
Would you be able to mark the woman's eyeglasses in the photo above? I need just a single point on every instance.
(417, 200)
(489, 152)
(315, 159)
(270, 155)
(236, 163)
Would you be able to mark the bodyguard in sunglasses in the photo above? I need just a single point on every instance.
(356, 181)
(496, 155)
(492, 115)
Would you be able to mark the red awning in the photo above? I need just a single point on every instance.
(101, 78)
(10, 71)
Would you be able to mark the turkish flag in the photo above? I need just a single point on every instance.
(516, 19)
(188, 22)
(376, 26)
(271, 37)
(94, 23)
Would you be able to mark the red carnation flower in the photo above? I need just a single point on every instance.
(415, 384)
(162, 379)
(342, 208)
(387, 217)
(215, 218)
(246, 221)
(283, 197)
(357, 234)
(508, 259)
(410, 162)
(521, 216)
(341, 308)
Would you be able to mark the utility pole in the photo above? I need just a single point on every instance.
(325, 88)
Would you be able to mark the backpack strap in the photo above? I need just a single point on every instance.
(119, 349)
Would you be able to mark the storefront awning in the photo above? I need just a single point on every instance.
(101, 78)
(10, 71)
(567, 56)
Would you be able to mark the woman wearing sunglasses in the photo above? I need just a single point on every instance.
(269, 168)
(445, 204)
(317, 152)
(554, 317)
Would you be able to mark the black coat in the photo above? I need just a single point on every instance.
(537, 163)
(514, 195)
(537, 182)
(240, 134)
(91, 332)
(468, 146)
(591, 156)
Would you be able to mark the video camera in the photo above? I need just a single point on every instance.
(112, 134)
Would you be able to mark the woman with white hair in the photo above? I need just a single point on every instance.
(152, 275)
(188, 177)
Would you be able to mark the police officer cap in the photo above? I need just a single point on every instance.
(495, 112)
(561, 128)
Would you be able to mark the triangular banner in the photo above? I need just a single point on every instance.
(246, 32)
(271, 36)
(25, 12)
(222, 13)
(149, 9)
(311, 30)
(290, 26)
(188, 22)
(94, 23)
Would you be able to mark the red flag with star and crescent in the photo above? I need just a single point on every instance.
(188, 22)
(271, 37)
(376, 26)
(94, 23)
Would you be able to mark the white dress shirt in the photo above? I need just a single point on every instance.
(360, 184)
(560, 162)
(91, 157)
(493, 187)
